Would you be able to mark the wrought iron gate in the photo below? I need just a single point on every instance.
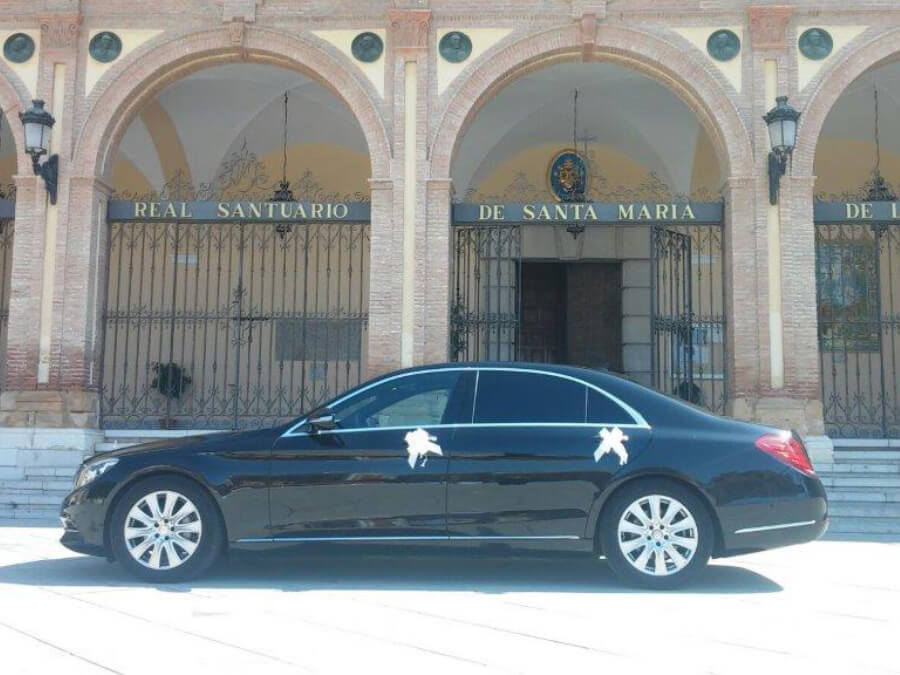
(687, 318)
(858, 290)
(484, 318)
(231, 325)
(686, 350)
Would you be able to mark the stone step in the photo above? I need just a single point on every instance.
(41, 472)
(37, 484)
(45, 513)
(862, 495)
(11, 473)
(885, 455)
(860, 536)
(865, 525)
(840, 510)
(860, 480)
(858, 467)
(12, 498)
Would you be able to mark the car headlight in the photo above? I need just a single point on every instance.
(92, 470)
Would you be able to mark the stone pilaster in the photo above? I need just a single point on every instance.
(385, 289)
(436, 279)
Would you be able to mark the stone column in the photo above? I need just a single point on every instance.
(24, 295)
(743, 290)
(408, 44)
(384, 281)
(434, 273)
(802, 371)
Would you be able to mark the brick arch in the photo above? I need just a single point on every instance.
(123, 91)
(14, 98)
(705, 91)
(830, 84)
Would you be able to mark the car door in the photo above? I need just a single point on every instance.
(540, 449)
(380, 473)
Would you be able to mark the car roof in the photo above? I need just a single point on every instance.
(651, 404)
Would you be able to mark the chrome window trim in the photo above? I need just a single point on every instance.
(477, 425)
(443, 537)
(780, 526)
(639, 421)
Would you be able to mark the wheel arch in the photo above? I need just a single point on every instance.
(154, 472)
(596, 515)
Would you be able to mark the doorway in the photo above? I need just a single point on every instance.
(572, 313)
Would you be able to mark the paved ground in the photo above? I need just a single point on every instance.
(827, 607)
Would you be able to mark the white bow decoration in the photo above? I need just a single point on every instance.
(612, 441)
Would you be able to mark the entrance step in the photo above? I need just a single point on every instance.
(842, 510)
(862, 480)
(866, 455)
(863, 486)
(43, 513)
(836, 495)
(861, 526)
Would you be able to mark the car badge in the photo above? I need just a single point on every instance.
(612, 441)
(418, 444)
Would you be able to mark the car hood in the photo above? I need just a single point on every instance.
(193, 443)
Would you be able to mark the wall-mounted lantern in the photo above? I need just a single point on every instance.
(38, 123)
(782, 123)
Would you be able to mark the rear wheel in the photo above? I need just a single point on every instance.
(657, 534)
(165, 529)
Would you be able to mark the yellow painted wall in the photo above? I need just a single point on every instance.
(336, 170)
(612, 173)
(844, 164)
(7, 169)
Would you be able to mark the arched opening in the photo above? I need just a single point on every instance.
(625, 273)
(232, 303)
(857, 169)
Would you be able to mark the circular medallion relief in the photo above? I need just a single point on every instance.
(105, 46)
(816, 43)
(455, 47)
(367, 47)
(567, 176)
(18, 48)
(723, 45)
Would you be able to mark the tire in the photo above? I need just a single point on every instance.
(657, 553)
(174, 548)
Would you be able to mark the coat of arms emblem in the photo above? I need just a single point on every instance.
(567, 177)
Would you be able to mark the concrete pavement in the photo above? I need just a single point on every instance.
(826, 607)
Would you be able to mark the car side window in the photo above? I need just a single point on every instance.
(603, 410)
(415, 400)
(508, 396)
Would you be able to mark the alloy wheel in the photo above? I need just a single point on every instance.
(163, 530)
(657, 535)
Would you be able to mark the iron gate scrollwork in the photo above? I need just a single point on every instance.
(687, 313)
(857, 275)
(484, 317)
(231, 324)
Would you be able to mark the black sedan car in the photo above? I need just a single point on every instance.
(489, 457)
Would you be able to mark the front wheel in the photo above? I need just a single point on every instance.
(657, 534)
(165, 529)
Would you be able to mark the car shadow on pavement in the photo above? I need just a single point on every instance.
(486, 575)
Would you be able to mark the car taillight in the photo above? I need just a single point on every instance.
(788, 449)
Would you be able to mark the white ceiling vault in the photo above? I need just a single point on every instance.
(622, 108)
(853, 114)
(215, 110)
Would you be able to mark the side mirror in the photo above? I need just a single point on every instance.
(322, 420)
